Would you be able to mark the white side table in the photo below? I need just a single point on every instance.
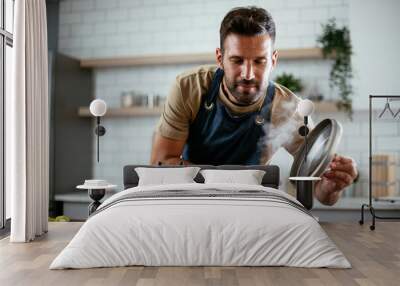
(96, 193)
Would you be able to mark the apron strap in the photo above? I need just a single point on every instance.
(265, 111)
(213, 91)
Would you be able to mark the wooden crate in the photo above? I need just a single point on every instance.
(383, 175)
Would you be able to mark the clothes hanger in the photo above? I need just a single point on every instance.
(387, 106)
(398, 112)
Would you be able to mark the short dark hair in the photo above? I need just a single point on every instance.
(247, 21)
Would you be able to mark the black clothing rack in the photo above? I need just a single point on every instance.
(369, 205)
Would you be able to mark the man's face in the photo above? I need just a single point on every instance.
(247, 62)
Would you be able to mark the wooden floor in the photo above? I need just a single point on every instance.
(374, 255)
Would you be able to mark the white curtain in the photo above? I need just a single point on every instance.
(28, 123)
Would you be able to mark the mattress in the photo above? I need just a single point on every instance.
(201, 225)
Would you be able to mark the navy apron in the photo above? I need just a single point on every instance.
(217, 137)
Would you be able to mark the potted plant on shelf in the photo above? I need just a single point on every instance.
(335, 43)
(290, 81)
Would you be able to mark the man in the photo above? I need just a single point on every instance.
(232, 113)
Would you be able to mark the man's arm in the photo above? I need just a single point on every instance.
(167, 151)
(173, 128)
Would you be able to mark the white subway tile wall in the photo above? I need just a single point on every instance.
(112, 28)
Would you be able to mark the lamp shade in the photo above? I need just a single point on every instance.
(305, 107)
(98, 107)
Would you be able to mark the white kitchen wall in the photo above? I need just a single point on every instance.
(376, 44)
(118, 28)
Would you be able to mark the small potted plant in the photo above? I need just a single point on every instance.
(290, 81)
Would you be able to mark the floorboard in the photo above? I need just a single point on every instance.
(374, 255)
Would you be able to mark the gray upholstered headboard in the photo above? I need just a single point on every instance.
(270, 179)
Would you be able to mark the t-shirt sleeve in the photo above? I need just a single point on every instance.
(175, 119)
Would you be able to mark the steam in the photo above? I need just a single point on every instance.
(285, 133)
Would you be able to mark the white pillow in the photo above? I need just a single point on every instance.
(248, 177)
(165, 176)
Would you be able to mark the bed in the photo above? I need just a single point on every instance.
(201, 224)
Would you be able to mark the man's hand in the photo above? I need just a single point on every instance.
(342, 173)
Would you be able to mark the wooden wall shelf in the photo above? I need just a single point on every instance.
(124, 112)
(300, 54)
(320, 107)
(199, 58)
(325, 107)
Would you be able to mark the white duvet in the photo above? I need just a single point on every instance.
(183, 231)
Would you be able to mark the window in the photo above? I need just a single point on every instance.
(6, 64)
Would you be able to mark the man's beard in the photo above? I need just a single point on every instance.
(245, 91)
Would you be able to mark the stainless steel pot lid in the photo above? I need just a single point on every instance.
(322, 143)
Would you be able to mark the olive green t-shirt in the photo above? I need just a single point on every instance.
(185, 97)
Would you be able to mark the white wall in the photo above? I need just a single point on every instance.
(106, 28)
(374, 27)
(111, 28)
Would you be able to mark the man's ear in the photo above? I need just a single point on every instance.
(218, 57)
(274, 58)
